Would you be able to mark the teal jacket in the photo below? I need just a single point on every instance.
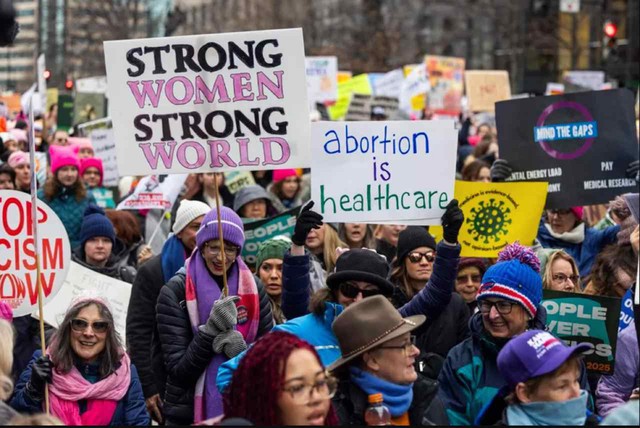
(313, 328)
(70, 211)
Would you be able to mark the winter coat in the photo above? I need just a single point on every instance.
(470, 379)
(131, 409)
(350, 403)
(312, 328)
(186, 356)
(143, 341)
(70, 211)
(430, 301)
(115, 268)
(614, 390)
(585, 252)
(26, 342)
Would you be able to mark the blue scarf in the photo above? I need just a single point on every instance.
(396, 397)
(173, 257)
(570, 412)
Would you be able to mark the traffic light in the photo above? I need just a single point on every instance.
(610, 29)
(47, 74)
(68, 84)
(609, 41)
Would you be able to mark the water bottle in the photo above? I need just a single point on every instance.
(377, 414)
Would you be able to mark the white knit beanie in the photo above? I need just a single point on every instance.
(187, 212)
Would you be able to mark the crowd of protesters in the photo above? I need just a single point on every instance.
(324, 319)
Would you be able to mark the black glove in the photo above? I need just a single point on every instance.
(452, 220)
(633, 170)
(40, 375)
(306, 221)
(500, 170)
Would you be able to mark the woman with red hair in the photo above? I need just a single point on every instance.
(294, 387)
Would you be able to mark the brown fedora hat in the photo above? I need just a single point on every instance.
(367, 324)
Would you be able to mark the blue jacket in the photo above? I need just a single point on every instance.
(131, 409)
(70, 211)
(430, 301)
(469, 379)
(314, 329)
(584, 253)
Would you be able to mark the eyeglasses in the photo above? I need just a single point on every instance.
(230, 251)
(416, 257)
(407, 347)
(502, 306)
(561, 277)
(80, 325)
(466, 278)
(301, 392)
(350, 291)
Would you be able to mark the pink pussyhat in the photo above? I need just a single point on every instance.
(92, 162)
(577, 211)
(281, 174)
(62, 156)
(78, 144)
(6, 313)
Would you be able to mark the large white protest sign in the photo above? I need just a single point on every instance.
(152, 193)
(18, 279)
(81, 280)
(369, 172)
(104, 146)
(209, 102)
(322, 78)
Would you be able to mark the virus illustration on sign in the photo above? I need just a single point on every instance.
(489, 220)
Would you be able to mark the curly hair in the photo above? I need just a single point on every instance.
(603, 279)
(257, 383)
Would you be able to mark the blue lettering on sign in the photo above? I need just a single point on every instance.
(565, 131)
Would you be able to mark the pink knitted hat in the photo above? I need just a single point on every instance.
(18, 158)
(577, 211)
(92, 162)
(62, 156)
(19, 134)
(6, 313)
(78, 144)
(281, 174)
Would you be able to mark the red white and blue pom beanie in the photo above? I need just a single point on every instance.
(232, 228)
(515, 277)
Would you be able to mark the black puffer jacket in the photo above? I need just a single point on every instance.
(115, 268)
(350, 403)
(186, 356)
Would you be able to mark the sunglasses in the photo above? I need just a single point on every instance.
(351, 291)
(79, 325)
(416, 257)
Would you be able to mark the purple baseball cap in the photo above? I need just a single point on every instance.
(534, 353)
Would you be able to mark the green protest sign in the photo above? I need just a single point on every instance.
(263, 230)
(65, 112)
(236, 180)
(579, 318)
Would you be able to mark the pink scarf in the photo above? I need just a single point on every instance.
(201, 291)
(102, 397)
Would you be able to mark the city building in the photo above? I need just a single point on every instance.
(17, 63)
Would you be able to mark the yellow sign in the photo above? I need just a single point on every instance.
(486, 87)
(497, 214)
(359, 84)
(418, 102)
(343, 76)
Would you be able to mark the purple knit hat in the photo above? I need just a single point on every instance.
(232, 229)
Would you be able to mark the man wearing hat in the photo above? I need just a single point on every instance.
(509, 304)
(542, 387)
(142, 332)
(378, 356)
(97, 244)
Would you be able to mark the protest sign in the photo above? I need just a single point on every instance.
(554, 88)
(580, 318)
(260, 231)
(497, 214)
(414, 88)
(104, 146)
(152, 192)
(581, 143)
(209, 102)
(236, 180)
(81, 280)
(18, 249)
(41, 168)
(587, 79)
(65, 112)
(361, 106)
(368, 172)
(343, 76)
(357, 85)
(486, 87)
(446, 84)
(389, 84)
(322, 78)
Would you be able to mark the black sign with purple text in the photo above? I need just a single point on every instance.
(581, 143)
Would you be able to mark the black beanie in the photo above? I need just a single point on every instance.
(414, 237)
(95, 223)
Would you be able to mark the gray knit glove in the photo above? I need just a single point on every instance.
(223, 316)
(230, 342)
